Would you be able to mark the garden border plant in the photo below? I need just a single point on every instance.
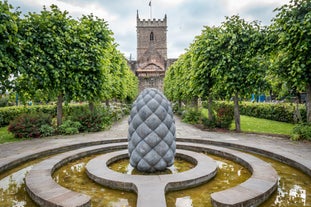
(78, 118)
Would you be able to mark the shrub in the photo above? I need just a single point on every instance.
(69, 127)
(4, 101)
(283, 112)
(191, 116)
(302, 131)
(210, 124)
(46, 130)
(118, 111)
(91, 121)
(224, 114)
(8, 114)
(28, 125)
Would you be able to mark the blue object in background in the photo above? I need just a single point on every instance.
(262, 98)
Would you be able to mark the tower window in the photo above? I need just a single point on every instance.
(151, 36)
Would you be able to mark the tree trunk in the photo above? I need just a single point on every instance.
(210, 110)
(297, 118)
(59, 110)
(91, 106)
(237, 113)
(107, 103)
(179, 104)
(308, 102)
(195, 103)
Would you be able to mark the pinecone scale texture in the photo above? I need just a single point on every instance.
(151, 133)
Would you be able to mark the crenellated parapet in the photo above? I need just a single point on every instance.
(151, 22)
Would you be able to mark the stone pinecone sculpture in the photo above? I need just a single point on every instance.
(151, 133)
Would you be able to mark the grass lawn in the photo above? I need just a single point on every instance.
(6, 136)
(252, 124)
(257, 125)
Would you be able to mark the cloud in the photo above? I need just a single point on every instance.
(186, 18)
(171, 3)
(252, 10)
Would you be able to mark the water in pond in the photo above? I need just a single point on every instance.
(294, 187)
(123, 166)
(73, 176)
(229, 174)
(12, 186)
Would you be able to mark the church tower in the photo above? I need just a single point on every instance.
(151, 61)
(151, 32)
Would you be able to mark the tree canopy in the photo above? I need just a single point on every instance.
(71, 59)
(291, 51)
(222, 60)
(9, 45)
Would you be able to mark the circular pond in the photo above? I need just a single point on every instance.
(293, 185)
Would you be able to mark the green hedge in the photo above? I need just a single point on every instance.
(7, 114)
(283, 112)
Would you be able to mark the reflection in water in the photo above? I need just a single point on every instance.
(120, 203)
(298, 192)
(123, 166)
(229, 174)
(294, 187)
(73, 176)
(184, 202)
(12, 190)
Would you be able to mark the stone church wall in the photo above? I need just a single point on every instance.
(152, 61)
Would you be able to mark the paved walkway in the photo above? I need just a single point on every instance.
(296, 151)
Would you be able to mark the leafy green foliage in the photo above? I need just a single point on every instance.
(7, 114)
(91, 121)
(123, 82)
(238, 70)
(292, 47)
(278, 112)
(223, 61)
(28, 125)
(4, 101)
(177, 82)
(191, 116)
(47, 130)
(209, 124)
(69, 127)
(205, 57)
(89, 59)
(282, 112)
(301, 131)
(224, 114)
(9, 48)
(72, 60)
(6, 136)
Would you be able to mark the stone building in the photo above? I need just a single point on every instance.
(152, 60)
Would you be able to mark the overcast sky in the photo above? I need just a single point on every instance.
(186, 18)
